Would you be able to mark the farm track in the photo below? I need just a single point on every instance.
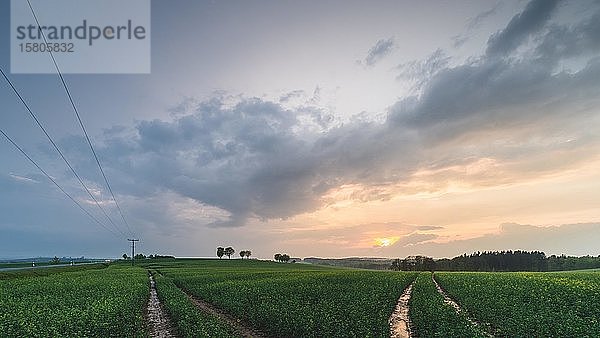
(400, 325)
(158, 320)
(241, 328)
(448, 300)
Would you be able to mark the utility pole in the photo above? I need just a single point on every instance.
(133, 249)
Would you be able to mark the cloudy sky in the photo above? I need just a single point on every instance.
(321, 128)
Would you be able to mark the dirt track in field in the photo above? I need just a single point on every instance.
(159, 323)
(400, 325)
(448, 300)
(239, 326)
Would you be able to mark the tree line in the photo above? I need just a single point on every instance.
(284, 258)
(497, 261)
(142, 256)
(229, 251)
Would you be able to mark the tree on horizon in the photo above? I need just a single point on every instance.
(229, 251)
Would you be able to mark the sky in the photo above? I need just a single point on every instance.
(329, 129)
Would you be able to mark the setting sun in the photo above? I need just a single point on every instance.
(385, 241)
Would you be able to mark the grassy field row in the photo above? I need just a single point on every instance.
(431, 317)
(530, 304)
(297, 300)
(187, 320)
(90, 302)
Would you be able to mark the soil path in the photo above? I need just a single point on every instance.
(400, 326)
(158, 321)
(239, 326)
(458, 309)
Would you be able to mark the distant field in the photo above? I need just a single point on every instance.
(21, 265)
(29, 265)
(294, 300)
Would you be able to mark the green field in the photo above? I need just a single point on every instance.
(530, 304)
(89, 302)
(427, 304)
(293, 300)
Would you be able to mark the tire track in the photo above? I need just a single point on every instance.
(158, 320)
(400, 324)
(459, 311)
(241, 328)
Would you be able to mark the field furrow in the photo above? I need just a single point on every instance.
(400, 324)
(159, 323)
(432, 316)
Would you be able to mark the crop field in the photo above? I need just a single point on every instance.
(188, 320)
(530, 304)
(293, 300)
(90, 302)
(427, 303)
(296, 300)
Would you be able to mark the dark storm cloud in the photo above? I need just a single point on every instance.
(521, 26)
(571, 41)
(245, 159)
(382, 48)
(506, 91)
(256, 159)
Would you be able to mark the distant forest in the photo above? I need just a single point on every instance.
(498, 261)
(478, 261)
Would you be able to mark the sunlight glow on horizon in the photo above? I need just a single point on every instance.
(386, 241)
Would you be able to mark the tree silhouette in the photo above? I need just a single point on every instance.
(242, 254)
(229, 251)
(220, 252)
(124, 256)
(281, 257)
(248, 254)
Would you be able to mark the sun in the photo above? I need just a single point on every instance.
(385, 241)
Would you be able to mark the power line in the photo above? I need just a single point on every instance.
(55, 183)
(37, 121)
(64, 83)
